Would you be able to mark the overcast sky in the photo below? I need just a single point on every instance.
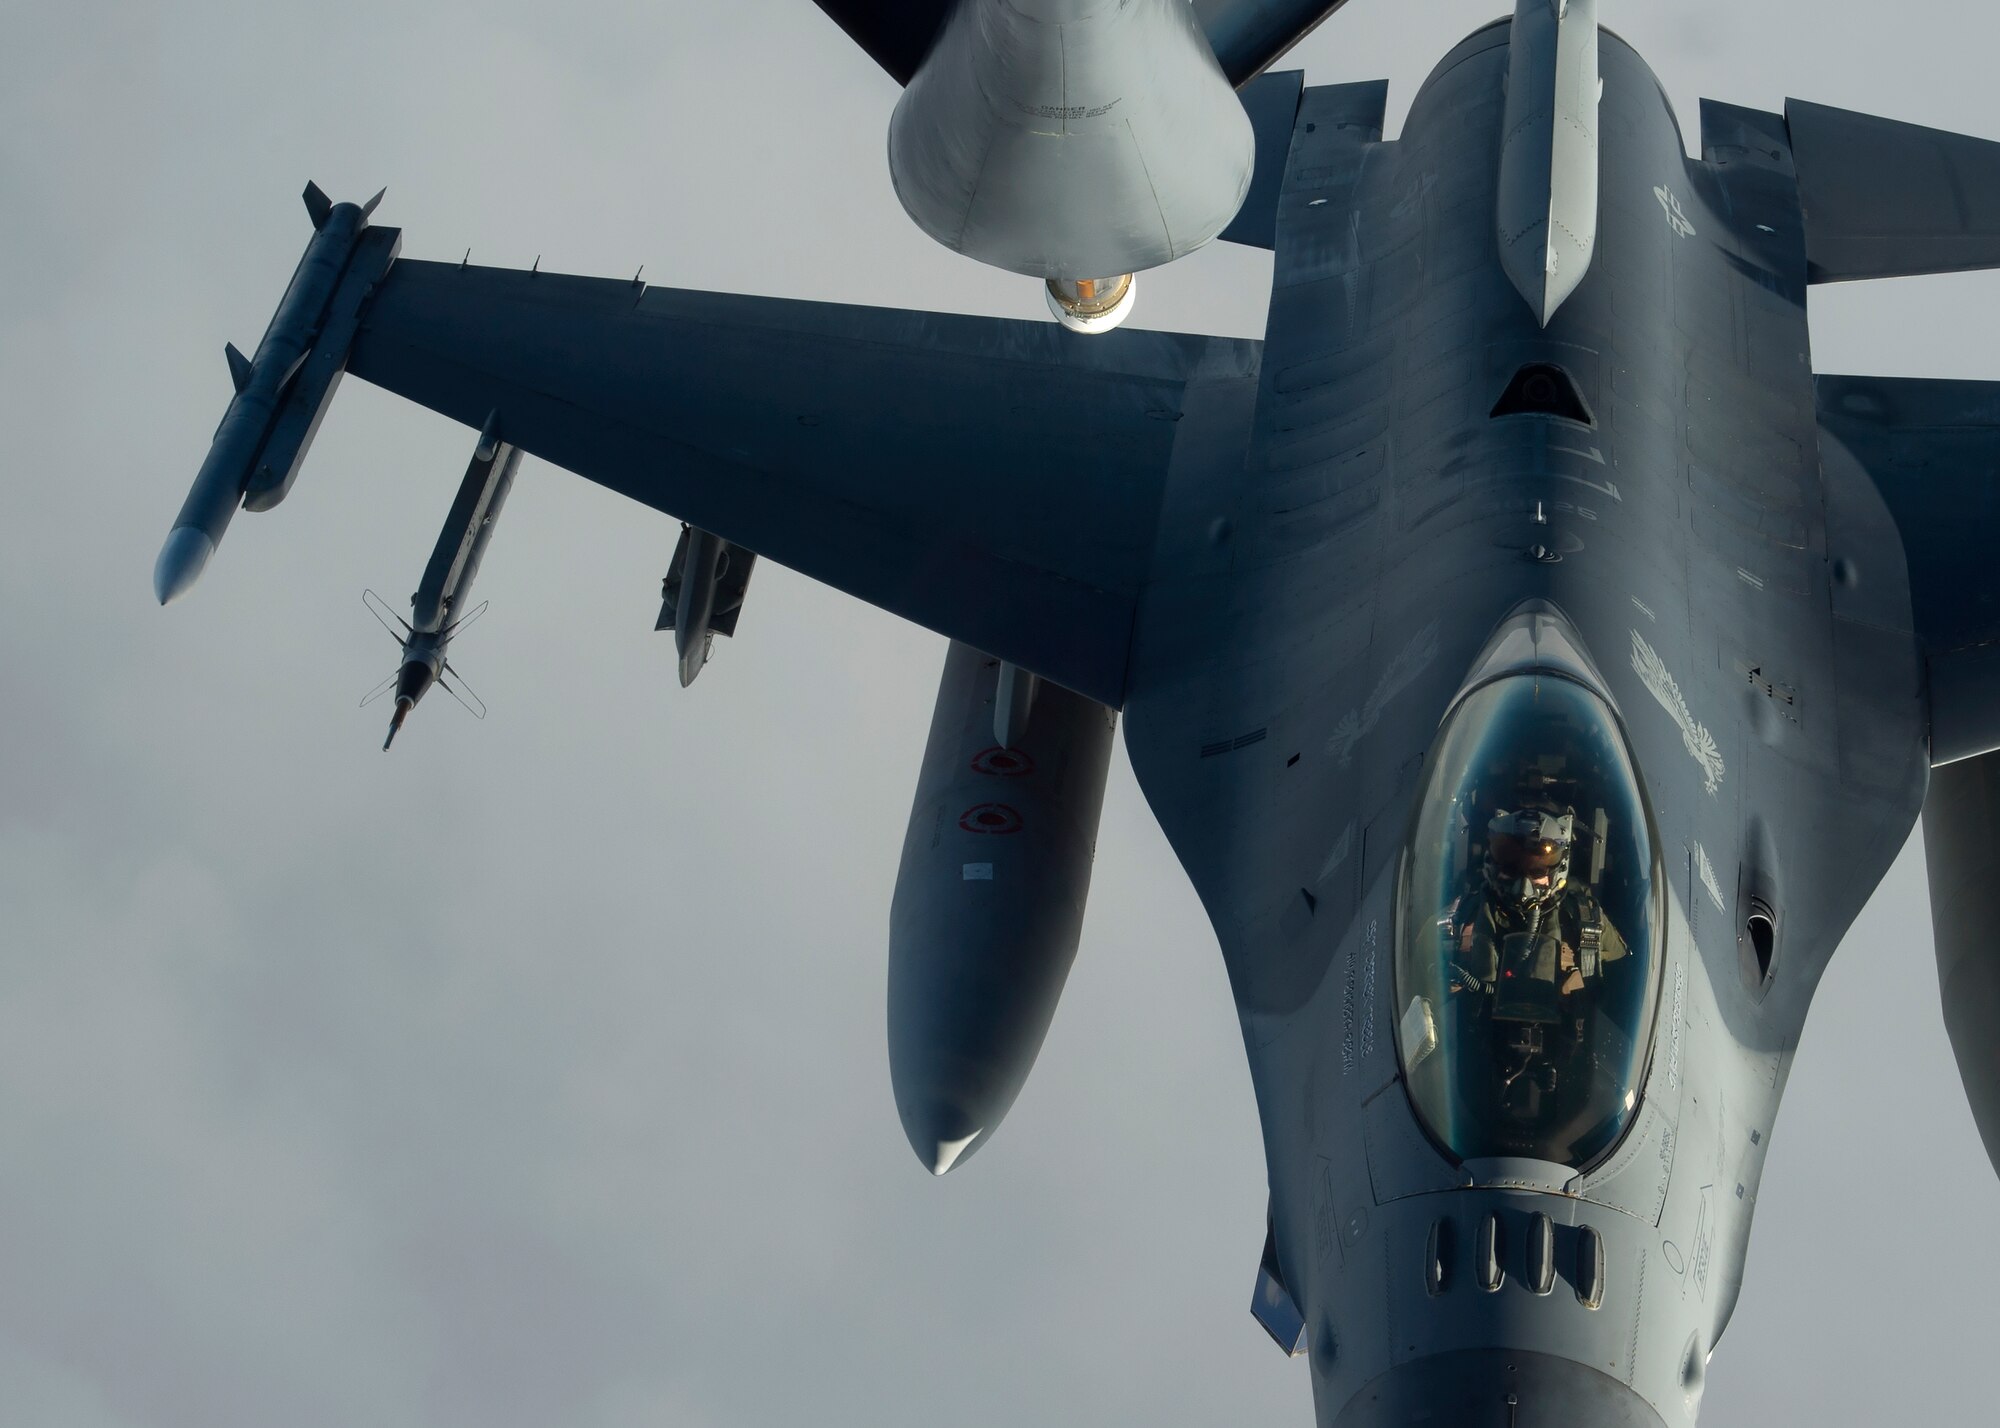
(534, 1074)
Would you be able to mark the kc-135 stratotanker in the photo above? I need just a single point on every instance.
(1532, 661)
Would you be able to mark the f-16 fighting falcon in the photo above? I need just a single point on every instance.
(1532, 661)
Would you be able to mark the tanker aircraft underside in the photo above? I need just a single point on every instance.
(1532, 661)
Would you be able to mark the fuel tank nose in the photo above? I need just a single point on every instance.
(1504, 1388)
(941, 1133)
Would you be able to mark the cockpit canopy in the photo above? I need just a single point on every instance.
(1528, 927)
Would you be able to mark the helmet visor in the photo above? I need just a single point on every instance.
(1518, 857)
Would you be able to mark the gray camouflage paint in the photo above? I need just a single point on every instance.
(1344, 524)
(1332, 590)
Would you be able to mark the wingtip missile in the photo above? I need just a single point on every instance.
(181, 562)
(277, 395)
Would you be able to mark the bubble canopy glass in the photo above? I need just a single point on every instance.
(1528, 927)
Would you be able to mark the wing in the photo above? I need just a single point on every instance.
(1932, 449)
(1245, 34)
(1884, 199)
(998, 482)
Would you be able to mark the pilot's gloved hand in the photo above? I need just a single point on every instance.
(1572, 978)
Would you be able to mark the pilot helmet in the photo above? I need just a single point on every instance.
(1527, 855)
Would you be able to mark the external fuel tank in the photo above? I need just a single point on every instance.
(989, 901)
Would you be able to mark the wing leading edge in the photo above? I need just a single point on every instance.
(996, 481)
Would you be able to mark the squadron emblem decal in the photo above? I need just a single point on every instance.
(1660, 682)
(1676, 219)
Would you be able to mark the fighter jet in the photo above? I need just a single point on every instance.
(1532, 661)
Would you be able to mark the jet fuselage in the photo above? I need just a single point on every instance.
(1414, 460)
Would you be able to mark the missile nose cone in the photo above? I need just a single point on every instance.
(693, 651)
(403, 708)
(180, 564)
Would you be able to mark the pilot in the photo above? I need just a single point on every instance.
(1531, 945)
(1527, 920)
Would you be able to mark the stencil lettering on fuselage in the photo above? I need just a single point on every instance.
(1707, 871)
(1342, 846)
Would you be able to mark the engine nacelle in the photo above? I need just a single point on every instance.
(1071, 139)
(990, 898)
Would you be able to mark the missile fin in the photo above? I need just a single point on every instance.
(239, 366)
(368, 208)
(318, 204)
(458, 689)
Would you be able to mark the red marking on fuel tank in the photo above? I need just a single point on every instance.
(1006, 763)
(990, 818)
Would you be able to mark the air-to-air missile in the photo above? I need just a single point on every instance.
(434, 616)
(702, 596)
(282, 392)
(1072, 142)
(990, 896)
